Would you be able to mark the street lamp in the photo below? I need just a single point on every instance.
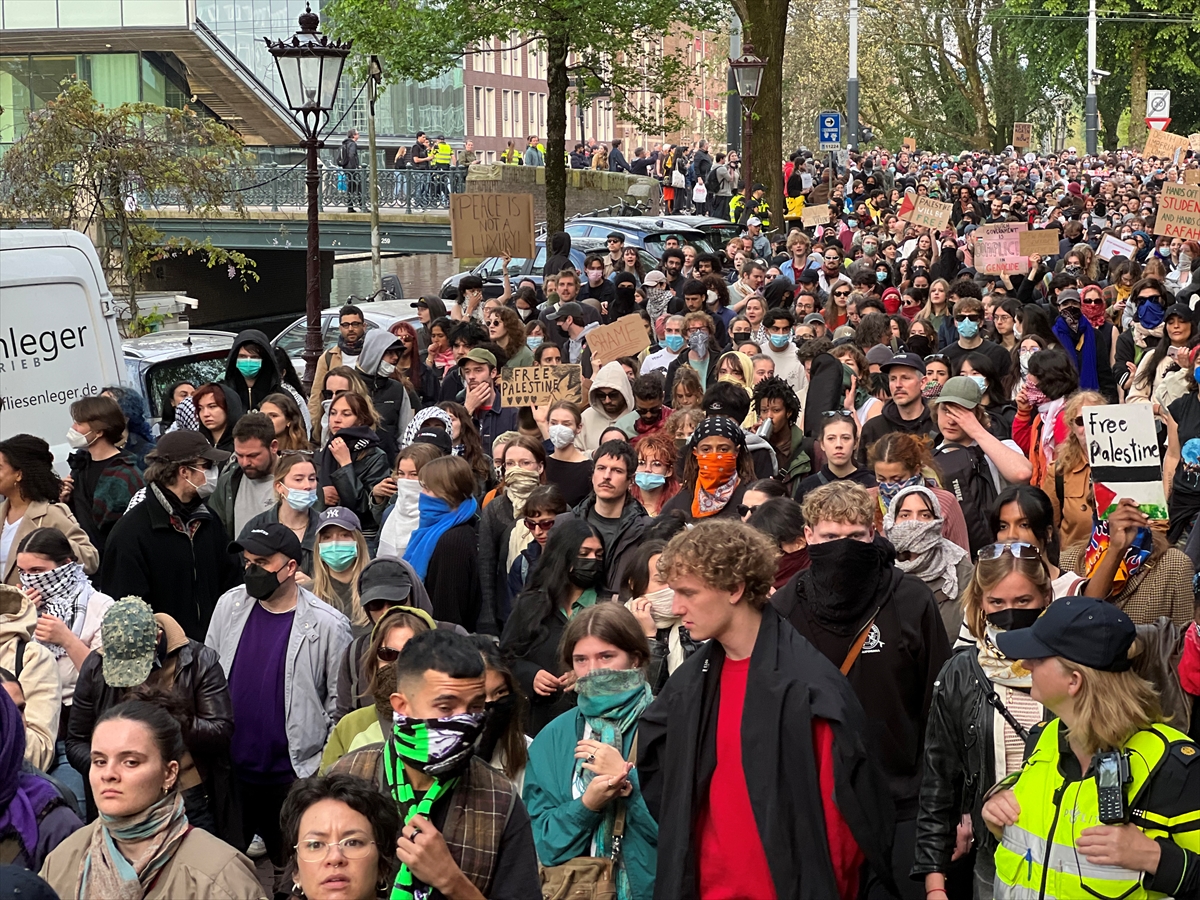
(310, 65)
(747, 73)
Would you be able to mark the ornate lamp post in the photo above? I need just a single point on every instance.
(747, 72)
(310, 66)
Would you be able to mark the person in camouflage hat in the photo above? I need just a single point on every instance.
(130, 638)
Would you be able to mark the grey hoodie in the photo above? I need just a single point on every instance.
(595, 419)
(389, 395)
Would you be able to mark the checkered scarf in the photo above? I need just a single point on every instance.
(64, 593)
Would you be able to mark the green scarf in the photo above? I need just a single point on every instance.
(406, 799)
(612, 701)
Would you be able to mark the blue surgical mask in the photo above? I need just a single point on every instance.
(852, 223)
(983, 181)
(301, 500)
(249, 367)
(779, 341)
(673, 342)
(881, 277)
(648, 481)
(533, 342)
(968, 329)
(339, 555)
(979, 380)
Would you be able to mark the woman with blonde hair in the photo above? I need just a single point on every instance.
(937, 309)
(1106, 787)
(738, 368)
(339, 559)
(295, 504)
(1068, 483)
(284, 412)
(980, 714)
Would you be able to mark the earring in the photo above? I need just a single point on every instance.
(297, 890)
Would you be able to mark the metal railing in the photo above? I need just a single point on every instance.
(276, 188)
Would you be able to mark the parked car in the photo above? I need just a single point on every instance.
(644, 232)
(156, 361)
(491, 270)
(719, 231)
(376, 314)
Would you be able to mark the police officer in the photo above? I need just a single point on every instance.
(1108, 800)
(442, 159)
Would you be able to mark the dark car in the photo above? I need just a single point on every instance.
(491, 270)
(644, 232)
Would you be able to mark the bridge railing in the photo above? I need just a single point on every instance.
(275, 187)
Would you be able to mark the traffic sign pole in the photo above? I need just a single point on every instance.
(829, 131)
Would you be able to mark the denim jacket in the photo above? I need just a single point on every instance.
(320, 635)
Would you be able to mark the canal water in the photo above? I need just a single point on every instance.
(418, 274)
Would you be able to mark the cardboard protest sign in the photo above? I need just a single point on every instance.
(1163, 145)
(1194, 141)
(928, 213)
(483, 225)
(814, 215)
(1191, 176)
(625, 337)
(1043, 242)
(541, 385)
(1022, 134)
(1113, 246)
(1179, 212)
(910, 144)
(998, 248)
(1123, 450)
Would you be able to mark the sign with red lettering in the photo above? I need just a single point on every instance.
(928, 213)
(1179, 212)
(998, 248)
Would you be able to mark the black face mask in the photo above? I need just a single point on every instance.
(260, 583)
(586, 573)
(846, 575)
(918, 344)
(739, 337)
(499, 716)
(1013, 618)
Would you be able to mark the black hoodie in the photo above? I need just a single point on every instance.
(266, 382)
(890, 420)
(559, 247)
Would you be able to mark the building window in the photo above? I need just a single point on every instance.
(505, 102)
(489, 57)
(516, 113)
(478, 104)
(476, 60)
(541, 113)
(505, 61)
(490, 113)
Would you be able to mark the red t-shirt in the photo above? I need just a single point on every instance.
(731, 860)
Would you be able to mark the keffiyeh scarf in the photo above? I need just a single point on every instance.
(105, 871)
(64, 592)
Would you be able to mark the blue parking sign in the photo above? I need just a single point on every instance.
(829, 130)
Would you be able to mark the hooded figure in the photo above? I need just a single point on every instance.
(388, 394)
(560, 254)
(234, 410)
(253, 383)
(596, 418)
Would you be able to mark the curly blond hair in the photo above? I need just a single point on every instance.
(840, 501)
(725, 555)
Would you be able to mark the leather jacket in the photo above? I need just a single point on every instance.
(960, 762)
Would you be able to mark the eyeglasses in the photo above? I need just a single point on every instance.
(316, 851)
(1018, 549)
(539, 524)
(388, 654)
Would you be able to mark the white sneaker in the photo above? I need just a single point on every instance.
(257, 849)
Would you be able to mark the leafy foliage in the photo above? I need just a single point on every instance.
(615, 46)
(84, 166)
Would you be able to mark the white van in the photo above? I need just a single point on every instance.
(58, 333)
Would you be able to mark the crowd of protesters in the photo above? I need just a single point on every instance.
(810, 598)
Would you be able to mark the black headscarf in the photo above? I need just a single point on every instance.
(559, 246)
(779, 293)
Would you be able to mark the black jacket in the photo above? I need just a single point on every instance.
(893, 676)
(702, 163)
(266, 382)
(529, 645)
(960, 762)
(150, 555)
(452, 578)
(579, 161)
(200, 683)
(683, 502)
(495, 526)
(347, 156)
(368, 466)
(616, 161)
(888, 421)
(789, 683)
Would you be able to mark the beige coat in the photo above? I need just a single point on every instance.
(39, 675)
(49, 515)
(203, 868)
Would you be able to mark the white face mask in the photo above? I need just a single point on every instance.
(660, 602)
(386, 369)
(561, 436)
(76, 440)
(206, 489)
(408, 490)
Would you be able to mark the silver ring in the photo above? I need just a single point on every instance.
(592, 758)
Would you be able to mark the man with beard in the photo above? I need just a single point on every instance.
(247, 487)
(466, 832)
(882, 628)
(756, 745)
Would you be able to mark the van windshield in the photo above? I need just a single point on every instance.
(196, 370)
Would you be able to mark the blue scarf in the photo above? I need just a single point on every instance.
(436, 519)
(611, 701)
(1083, 359)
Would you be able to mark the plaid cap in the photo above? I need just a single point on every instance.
(130, 636)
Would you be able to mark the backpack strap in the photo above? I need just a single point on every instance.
(19, 661)
(1059, 488)
(857, 644)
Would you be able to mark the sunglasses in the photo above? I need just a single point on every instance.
(841, 293)
(388, 654)
(969, 317)
(1018, 549)
(830, 413)
(744, 510)
(539, 524)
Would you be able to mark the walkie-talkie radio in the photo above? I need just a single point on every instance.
(1112, 774)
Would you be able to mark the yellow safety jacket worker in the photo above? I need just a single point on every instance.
(736, 204)
(1037, 858)
(443, 154)
(511, 158)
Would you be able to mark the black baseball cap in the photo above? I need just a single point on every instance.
(438, 437)
(808, 276)
(572, 309)
(268, 539)
(384, 579)
(1084, 630)
(183, 446)
(908, 360)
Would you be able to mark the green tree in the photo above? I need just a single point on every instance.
(613, 46)
(85, 166)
